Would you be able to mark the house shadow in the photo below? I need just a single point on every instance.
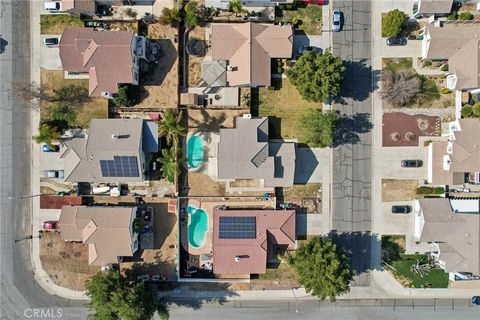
(358, 248)
(156, 71)
(305, 164)
(348, 128)
(359, 82)
(3, 45)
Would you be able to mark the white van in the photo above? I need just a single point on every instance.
(53, 6)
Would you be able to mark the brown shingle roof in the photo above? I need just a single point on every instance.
(435, 6)
(107, 231)
(249, 47)
(273, 227)
(105, 55)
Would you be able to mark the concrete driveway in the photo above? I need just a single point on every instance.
(49, 56)
(389, 165)
(321, 41)
(391, 223)
(308, 224)
(51, 160)
(412, 49)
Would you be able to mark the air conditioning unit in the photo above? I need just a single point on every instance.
(247, 116)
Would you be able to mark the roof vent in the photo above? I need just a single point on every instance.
(231, 68)
(237, 259)
(115, 136)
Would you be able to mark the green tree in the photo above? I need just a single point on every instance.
(392, 23)
(170, 17)
(112, 296)
(323, 268)
(318, 127)
(467, 111)
(317, 76)
(465, 15)
(235, 6)
(73, 95)
(47, 133)
(169, 165)
(476, 109)
(191, 19)
(453, 15)
(121, 98)
(170, 127)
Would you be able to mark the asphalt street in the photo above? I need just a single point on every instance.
(352, 154)
(20, 294)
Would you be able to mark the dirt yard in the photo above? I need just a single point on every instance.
(66, 263)
(213, 119)
(202, 185)
(398, 190)
(159, 86)
(162, 259)
(194, 63)
(95, 108)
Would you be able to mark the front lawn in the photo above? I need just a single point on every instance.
(282, 276)
(55, 23)
(399, 190)
(309, 18)
(285, 107)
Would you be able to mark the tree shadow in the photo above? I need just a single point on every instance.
(348, 128)
(208, 123)
(358, 83)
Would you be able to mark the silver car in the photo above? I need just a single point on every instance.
(337, 21)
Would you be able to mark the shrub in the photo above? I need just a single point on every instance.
(424, 190)
(444, 67)
(191, 14)
(467, 15)
(170, 17)
(453, 15)
(466, 111)
(393, 22)
(130, 13)
(399, 88)
(476, 109)
(121, 98)
(438, 190)
(444, 90)
(442, 76)
(294, 20)
(427, 63)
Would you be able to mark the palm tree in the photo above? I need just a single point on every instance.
(46, 134)
(169, 164)
(235, 6)
(169, 126)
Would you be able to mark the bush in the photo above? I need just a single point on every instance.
(444, 67)
(466, 111)
(444, 90)
(424, 190)
(191, 14)
(438, 190)
(393, 23)
(427, 63)
(121, 98)
(442, 76)
(399, 88)
(453, 15)
(130, 13)
(467, 15)
(170, 17)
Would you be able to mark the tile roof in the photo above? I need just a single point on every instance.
(273, 227)
(435, 6)
(105, 55)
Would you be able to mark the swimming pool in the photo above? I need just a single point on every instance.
(194, 151)
(198, 226)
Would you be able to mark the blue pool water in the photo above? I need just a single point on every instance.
(194, 151)
(198, 226)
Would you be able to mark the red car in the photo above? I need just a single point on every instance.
(319, 2)
(51, 225)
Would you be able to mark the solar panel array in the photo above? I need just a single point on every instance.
(125, 166)
(238, 228)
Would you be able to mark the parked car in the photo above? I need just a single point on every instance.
(51, 42)
(337, 21)
(53, 6)
(401, 41)
(53, 174)
(53, 148)
(319, 2)
(301, 50)
(476, 300)
(401, 209)
(51, 225)
(411, 163)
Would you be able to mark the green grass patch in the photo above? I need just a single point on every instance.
(429, 93)
(309, 17)
(56, 23)
(285, 107)
(397, 64)
(435, 278)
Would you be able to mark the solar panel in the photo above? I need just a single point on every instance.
(238, 228)
(120, 166)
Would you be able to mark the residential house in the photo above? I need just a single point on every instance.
(113, 150)
(457, 160)
(223, 4)
(245, 152)
(77, 7)
(106, 58)
(459, 43)
(245, 240)
(429, 8)
(241, 53)
(453, 227)
(108, 231)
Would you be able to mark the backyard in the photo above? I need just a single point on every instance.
(66, 263)
(431, 85)
(398, 190)
(93, 108)
(284, 106)
(411, 270)
(309, 18)
(55, 23)
(194, 63)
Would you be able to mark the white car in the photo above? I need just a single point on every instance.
(53, 174)
(337, 21)
(53, 6)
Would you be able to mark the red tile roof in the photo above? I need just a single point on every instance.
(273, 227)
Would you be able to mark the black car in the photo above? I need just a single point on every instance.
(304, 48)
(401, 209)
(411, 163)
(397, 41)
(50, 42)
